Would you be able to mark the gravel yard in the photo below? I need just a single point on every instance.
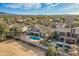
(19, 48)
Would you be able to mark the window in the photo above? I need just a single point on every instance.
(30, 33)
(61, 39)
(36, 34)
(70, 41)
(74, 35)
(68, 34)
(62, 33)
(78, 40)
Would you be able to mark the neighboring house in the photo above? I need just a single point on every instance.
(71, 34)
(60, 24)
(20, 20)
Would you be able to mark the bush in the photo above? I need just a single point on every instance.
(52, 51)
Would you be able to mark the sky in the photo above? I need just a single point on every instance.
(40, 8)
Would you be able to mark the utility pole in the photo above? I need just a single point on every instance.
(64, 43)
(72, 33)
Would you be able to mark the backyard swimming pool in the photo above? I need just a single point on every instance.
(35, 38)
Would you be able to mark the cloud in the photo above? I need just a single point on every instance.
(45, 8)
(51, 5)
(24, 5)
(13, 6)
(70, 6)
(74, 13)
(31, 5)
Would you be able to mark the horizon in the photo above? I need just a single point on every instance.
(40, 8)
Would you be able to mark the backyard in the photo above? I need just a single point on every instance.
(18, 48)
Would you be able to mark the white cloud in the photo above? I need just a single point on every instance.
(68, 13)
(14, 6)
(74, 13)
(51, 5)
(31, 5)
(25, 5)
(71, 6)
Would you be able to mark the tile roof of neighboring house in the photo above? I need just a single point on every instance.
(62, 29)
(45, 29)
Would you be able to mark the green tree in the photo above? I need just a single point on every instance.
(62, 18)
(15, 31)
(52, 51)
(4, 30)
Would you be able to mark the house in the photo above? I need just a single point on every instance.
(44, 30)
(70, 34)
(36, 33)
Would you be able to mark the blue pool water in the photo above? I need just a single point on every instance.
(35, 38)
